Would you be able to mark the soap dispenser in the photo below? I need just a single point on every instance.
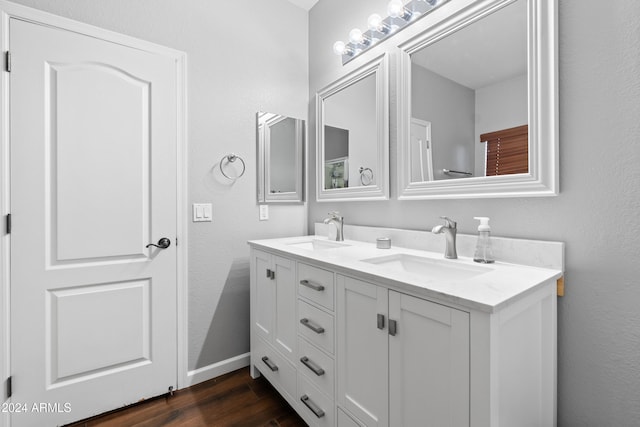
(484, 253)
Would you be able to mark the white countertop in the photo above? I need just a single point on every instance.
(501, 285)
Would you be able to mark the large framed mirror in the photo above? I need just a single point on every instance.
(280, 149)
(353, 135)
(477, 115)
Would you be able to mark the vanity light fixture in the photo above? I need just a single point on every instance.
(400, 15)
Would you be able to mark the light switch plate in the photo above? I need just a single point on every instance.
(202, 212)
(264, 212)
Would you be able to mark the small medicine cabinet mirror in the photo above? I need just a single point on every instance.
(280, 158)
(478, 104)
(353, 135)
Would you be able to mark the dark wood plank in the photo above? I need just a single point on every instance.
(232, 400)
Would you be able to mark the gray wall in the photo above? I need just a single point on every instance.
(596, 214)
(243, 57)
(451, 108)
(500, 106)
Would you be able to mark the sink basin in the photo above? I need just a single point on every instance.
(319, 245)
(429, 268)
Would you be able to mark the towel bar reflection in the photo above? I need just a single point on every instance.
(366, 175)
(449, 171)
(231, 158)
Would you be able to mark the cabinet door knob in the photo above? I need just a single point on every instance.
(380, 321)
(393, 327)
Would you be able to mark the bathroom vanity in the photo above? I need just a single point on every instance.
(352, 335)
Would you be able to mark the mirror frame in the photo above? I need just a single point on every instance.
(542, 70)
(379, 68)
(264, 161)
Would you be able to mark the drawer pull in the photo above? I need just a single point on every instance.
(309, 324)
(312, 406)
(311, 365)
(270, 364)
(311, 285)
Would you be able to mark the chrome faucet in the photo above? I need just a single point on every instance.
(338, 221)
(449, 229)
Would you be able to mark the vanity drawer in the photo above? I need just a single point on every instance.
(316, 408)
(315, 325)
(274, 367)
(316, 285)
(316, 365)
(345, 420)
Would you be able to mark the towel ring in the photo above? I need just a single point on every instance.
(366, 178)
(230, 159)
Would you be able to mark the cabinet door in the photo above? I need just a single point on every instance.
(284, 308)
(264, 296)
(362, 351)
(428, 364)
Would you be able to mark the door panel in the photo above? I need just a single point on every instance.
(115, 332)
(285, 307)
(265, 297)
(86, 192)
(428, 364)
(362, 351)
(93, 181)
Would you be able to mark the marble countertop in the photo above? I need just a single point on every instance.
(500, 285)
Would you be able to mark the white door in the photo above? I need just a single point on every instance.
(93, 181)
(362, 351)
(421, 151)
(428, 364)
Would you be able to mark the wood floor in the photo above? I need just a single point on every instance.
(230, 400)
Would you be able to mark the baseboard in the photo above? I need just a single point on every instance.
(216, 369)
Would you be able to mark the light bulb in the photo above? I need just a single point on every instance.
(396, 9)
(340, 48)
(375, 22)
(355, 36)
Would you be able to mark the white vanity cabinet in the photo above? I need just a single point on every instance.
(349, 345)
(401, 360)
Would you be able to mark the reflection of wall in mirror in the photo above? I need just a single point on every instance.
(450, 107)
(282, 156)
(354, 109)
(336, 143)
(499, 106)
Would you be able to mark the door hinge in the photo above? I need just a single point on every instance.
(7, 61)
(9, 387)
(8, 224)
(176, 241)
